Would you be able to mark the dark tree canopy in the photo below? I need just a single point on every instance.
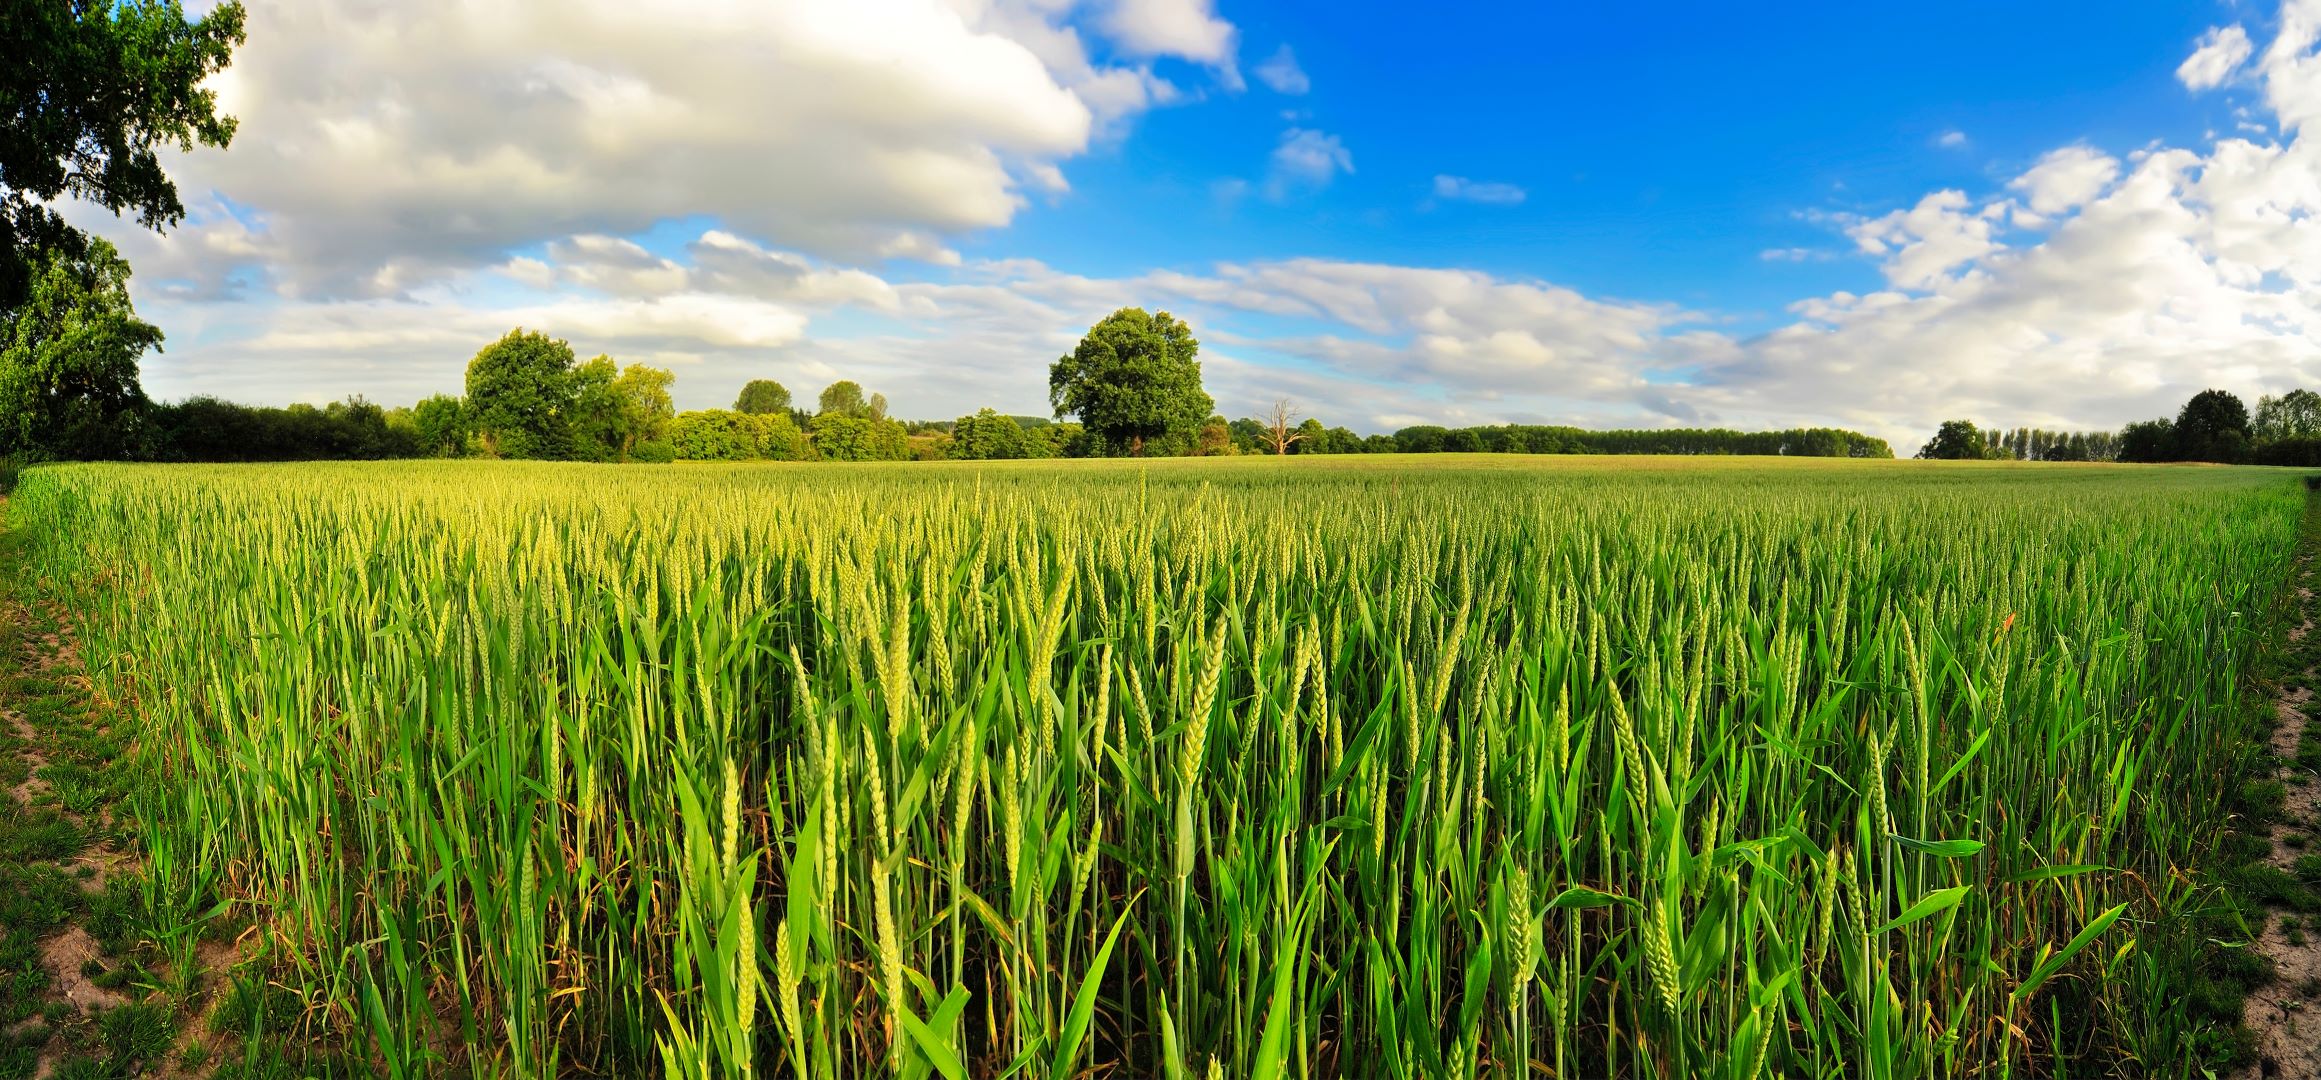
(68, 360)
(520, 392)
(89, 92)
(2212, 427)
(1132, 380)
(762, 396)
(1957, 440)
(2148, 440)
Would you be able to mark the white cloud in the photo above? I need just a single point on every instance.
(1461, 189)
(2221, 52)
(381, 147)
(1923, 245)
(2066, 178)
(1951, 140)
(1182, 28)
(1306, 159)
(1281, 72)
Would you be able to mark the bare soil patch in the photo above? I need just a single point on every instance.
(2285, 1015)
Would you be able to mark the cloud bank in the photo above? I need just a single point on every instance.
(778, 188)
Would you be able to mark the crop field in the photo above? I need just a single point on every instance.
(1340, 767)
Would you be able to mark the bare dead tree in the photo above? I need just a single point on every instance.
(1279, 426)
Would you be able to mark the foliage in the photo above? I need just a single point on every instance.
(844, 398)
(1335, 440)
(207, 429)
(615, 409)
(2302, 451)
(988, 436)
(520, 396)
(839, 436)
(68, 360)
(89, 96)
(646, 407)
(1535, 439)
(1729, 769)
(2038, 444)
(764, 396)
(439, 426)
(2213, 426)
(725, 435)
(2148, 440)
(596, 419)
(1133, 380)
(1957, 440)
(2294, 415)
(1216, 438)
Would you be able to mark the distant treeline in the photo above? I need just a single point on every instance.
(208, 429)
(1534, 439)
(2213, 426)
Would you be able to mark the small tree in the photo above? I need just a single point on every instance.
(1133, 379)
(844, 398)
(988, 436)
(440, 425)
(1310, 437)
(597, 420)
(1280, 431)
(646, 407)
(761, 396)
(1216, 438)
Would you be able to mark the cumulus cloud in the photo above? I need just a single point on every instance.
(1461, 189)
(384, 146)
(2221, 52)
(1923, 245)
(1281, 72)
(2064, 179)
(1182, 28)
(1951, 140)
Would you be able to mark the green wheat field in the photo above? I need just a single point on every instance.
(1239, 768)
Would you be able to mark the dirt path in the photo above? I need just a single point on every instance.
(57, 823)
(83, 991)
(2285, 1015)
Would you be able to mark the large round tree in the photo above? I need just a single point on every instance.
(2213, 426)
(762, 396)
(1957, 440)
(1132, 380)
(520, 393)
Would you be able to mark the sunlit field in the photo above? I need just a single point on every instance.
(1374, 767)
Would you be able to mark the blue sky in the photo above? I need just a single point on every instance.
(1661, 148)
(1875, 216)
